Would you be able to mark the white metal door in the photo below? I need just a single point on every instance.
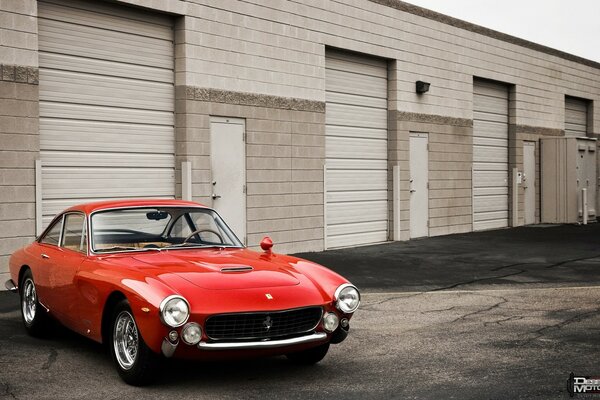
(107, 99)
(356, 150)
(419, 183)
(228, 170)
(575, 117)
(490, 155)
(529, 181)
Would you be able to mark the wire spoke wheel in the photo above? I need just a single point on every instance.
(29, 301)
(126, 340)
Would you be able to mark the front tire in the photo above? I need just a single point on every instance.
(34, 318)
(310, 356)
(135, 362)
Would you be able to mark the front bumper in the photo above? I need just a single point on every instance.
(265, 344)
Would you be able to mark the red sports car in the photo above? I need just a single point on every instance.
(168, 278)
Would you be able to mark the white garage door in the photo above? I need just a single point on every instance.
(575, 117)
(490, 155)
(356, 150)
(106, 104)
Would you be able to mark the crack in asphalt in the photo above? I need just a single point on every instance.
(506, 319)
(51, 359)
(576, 318)
(503, 300)
(454, 286)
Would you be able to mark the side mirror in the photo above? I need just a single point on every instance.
(266, 244)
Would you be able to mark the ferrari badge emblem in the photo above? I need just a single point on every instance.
(268, 323)
(268, 295)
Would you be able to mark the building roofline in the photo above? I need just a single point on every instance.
(459, 23)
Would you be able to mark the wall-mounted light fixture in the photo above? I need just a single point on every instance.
(422, 87)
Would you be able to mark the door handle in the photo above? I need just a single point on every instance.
(413, 190)
(215, 196)
(45, 256)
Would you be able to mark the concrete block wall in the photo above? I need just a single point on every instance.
(285, 151)
(19, 147)
(19, 112)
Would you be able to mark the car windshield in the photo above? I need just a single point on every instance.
(158, 228)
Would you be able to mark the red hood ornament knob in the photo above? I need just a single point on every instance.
(266, 244)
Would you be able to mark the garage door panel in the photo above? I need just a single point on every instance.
(356, 239)
(489, 130)
(494, 222)
(107, 114)
(357, 132)
(103, 67)
(351, 63)
(490, 191)
(105, 159)
(80, 41)
(355, 84)
(353, 99)
(357, 211)
(91, 135)
(349, 196)
(356, 150)
(106, 17)
(339, 163)
(75, 87)
(490, 179)
(356, 116)
(491, 203)
(481, 116)
(356, 180)
(490, 155)
(360, 148)
(575, 117)
(106, 104)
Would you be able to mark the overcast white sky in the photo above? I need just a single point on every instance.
(568, 25)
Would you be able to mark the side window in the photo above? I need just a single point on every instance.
(74, 237)
(53, 235)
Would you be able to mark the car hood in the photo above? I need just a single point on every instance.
(218, 269)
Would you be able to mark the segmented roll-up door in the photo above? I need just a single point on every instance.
(106, 103)
(575, 117)
(490, 155)
(356, 150)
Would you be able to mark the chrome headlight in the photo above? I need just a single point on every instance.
(330, 322)
(191, 333)
(347, 298)
(174, 311)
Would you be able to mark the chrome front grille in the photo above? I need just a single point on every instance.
(263, 325)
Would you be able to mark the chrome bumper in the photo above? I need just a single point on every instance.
(266, 344)
(10, 285)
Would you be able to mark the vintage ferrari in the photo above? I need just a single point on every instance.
(168, 278)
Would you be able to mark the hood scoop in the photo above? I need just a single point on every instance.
(238, 268)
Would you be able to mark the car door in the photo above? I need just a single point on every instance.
(66, 261)
(45, 253)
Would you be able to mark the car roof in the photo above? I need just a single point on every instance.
(89, 208)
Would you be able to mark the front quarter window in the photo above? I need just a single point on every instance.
(52, 235)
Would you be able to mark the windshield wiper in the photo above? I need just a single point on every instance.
(127, 248)
(197, 246)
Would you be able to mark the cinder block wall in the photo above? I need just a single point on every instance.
(285, 150)
(19, 122)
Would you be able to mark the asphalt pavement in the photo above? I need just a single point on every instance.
(492, 315)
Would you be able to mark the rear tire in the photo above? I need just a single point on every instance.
(310, 356)
(34, 316)
(135, 362)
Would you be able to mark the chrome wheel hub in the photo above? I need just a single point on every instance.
(29, 301)
(125, 340)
